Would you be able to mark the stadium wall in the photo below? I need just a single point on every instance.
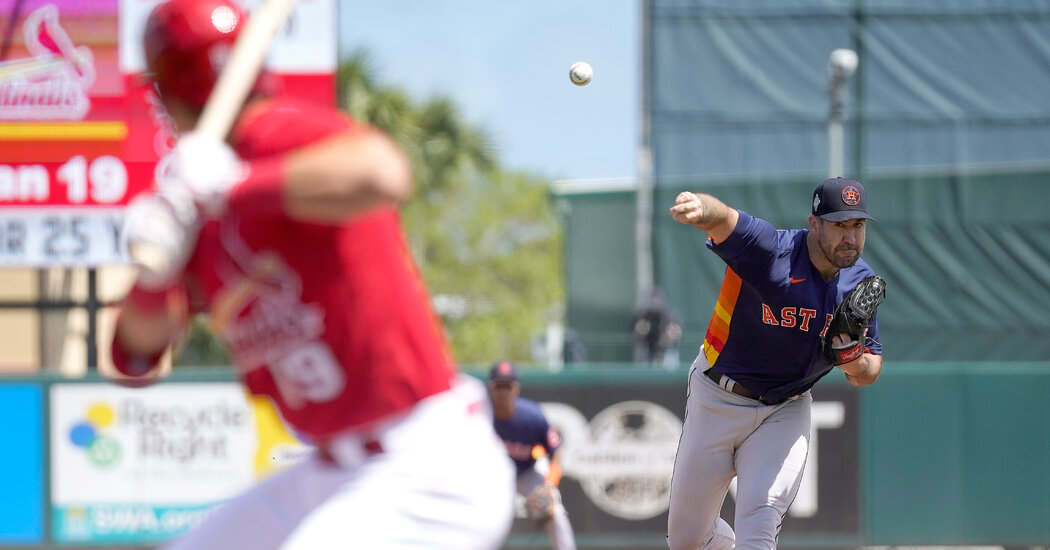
(934, 453)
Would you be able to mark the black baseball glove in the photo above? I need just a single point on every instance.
(852, 318)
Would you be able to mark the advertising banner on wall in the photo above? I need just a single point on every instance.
(81, 130)
(21, 464)
(139, 465)
(619, 443)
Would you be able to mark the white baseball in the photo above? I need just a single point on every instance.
(581, 73)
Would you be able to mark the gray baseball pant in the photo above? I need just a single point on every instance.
(726, 435)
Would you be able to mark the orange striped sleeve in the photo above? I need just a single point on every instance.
(718, 329)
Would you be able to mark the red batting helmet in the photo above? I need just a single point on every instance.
(187, 42)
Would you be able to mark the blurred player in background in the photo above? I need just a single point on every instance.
(657, 331)
(289, 239)
(748, 404)
(528, 436)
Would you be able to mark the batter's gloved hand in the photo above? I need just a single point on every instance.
(540, 502)
(851, 319)
(206, 168)
(159, 233)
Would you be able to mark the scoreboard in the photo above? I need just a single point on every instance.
(82, 132)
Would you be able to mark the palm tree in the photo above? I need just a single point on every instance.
(389, 109)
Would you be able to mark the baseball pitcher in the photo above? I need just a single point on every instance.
(794, 304)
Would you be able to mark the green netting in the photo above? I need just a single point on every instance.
(741, 88)
(947, 124)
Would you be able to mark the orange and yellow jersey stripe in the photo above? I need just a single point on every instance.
(718, 329)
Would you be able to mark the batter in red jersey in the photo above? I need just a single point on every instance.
(290, 241)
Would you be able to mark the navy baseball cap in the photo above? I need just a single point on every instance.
(840, 199)
(503, 371)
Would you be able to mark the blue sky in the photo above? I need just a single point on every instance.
(505, 64)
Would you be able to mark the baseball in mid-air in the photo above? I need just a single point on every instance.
(581, 73)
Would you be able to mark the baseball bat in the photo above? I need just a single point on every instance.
(242, 68)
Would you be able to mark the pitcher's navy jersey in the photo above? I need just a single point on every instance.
(772, 308)
(525, 430)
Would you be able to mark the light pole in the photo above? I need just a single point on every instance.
(841, 65)
(643, 222)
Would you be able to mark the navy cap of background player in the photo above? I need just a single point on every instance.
(840, 199)
(503, 371)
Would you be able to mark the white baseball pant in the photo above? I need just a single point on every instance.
(727, 435)
(442, 481)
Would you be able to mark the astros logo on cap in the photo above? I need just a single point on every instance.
(851, 195)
